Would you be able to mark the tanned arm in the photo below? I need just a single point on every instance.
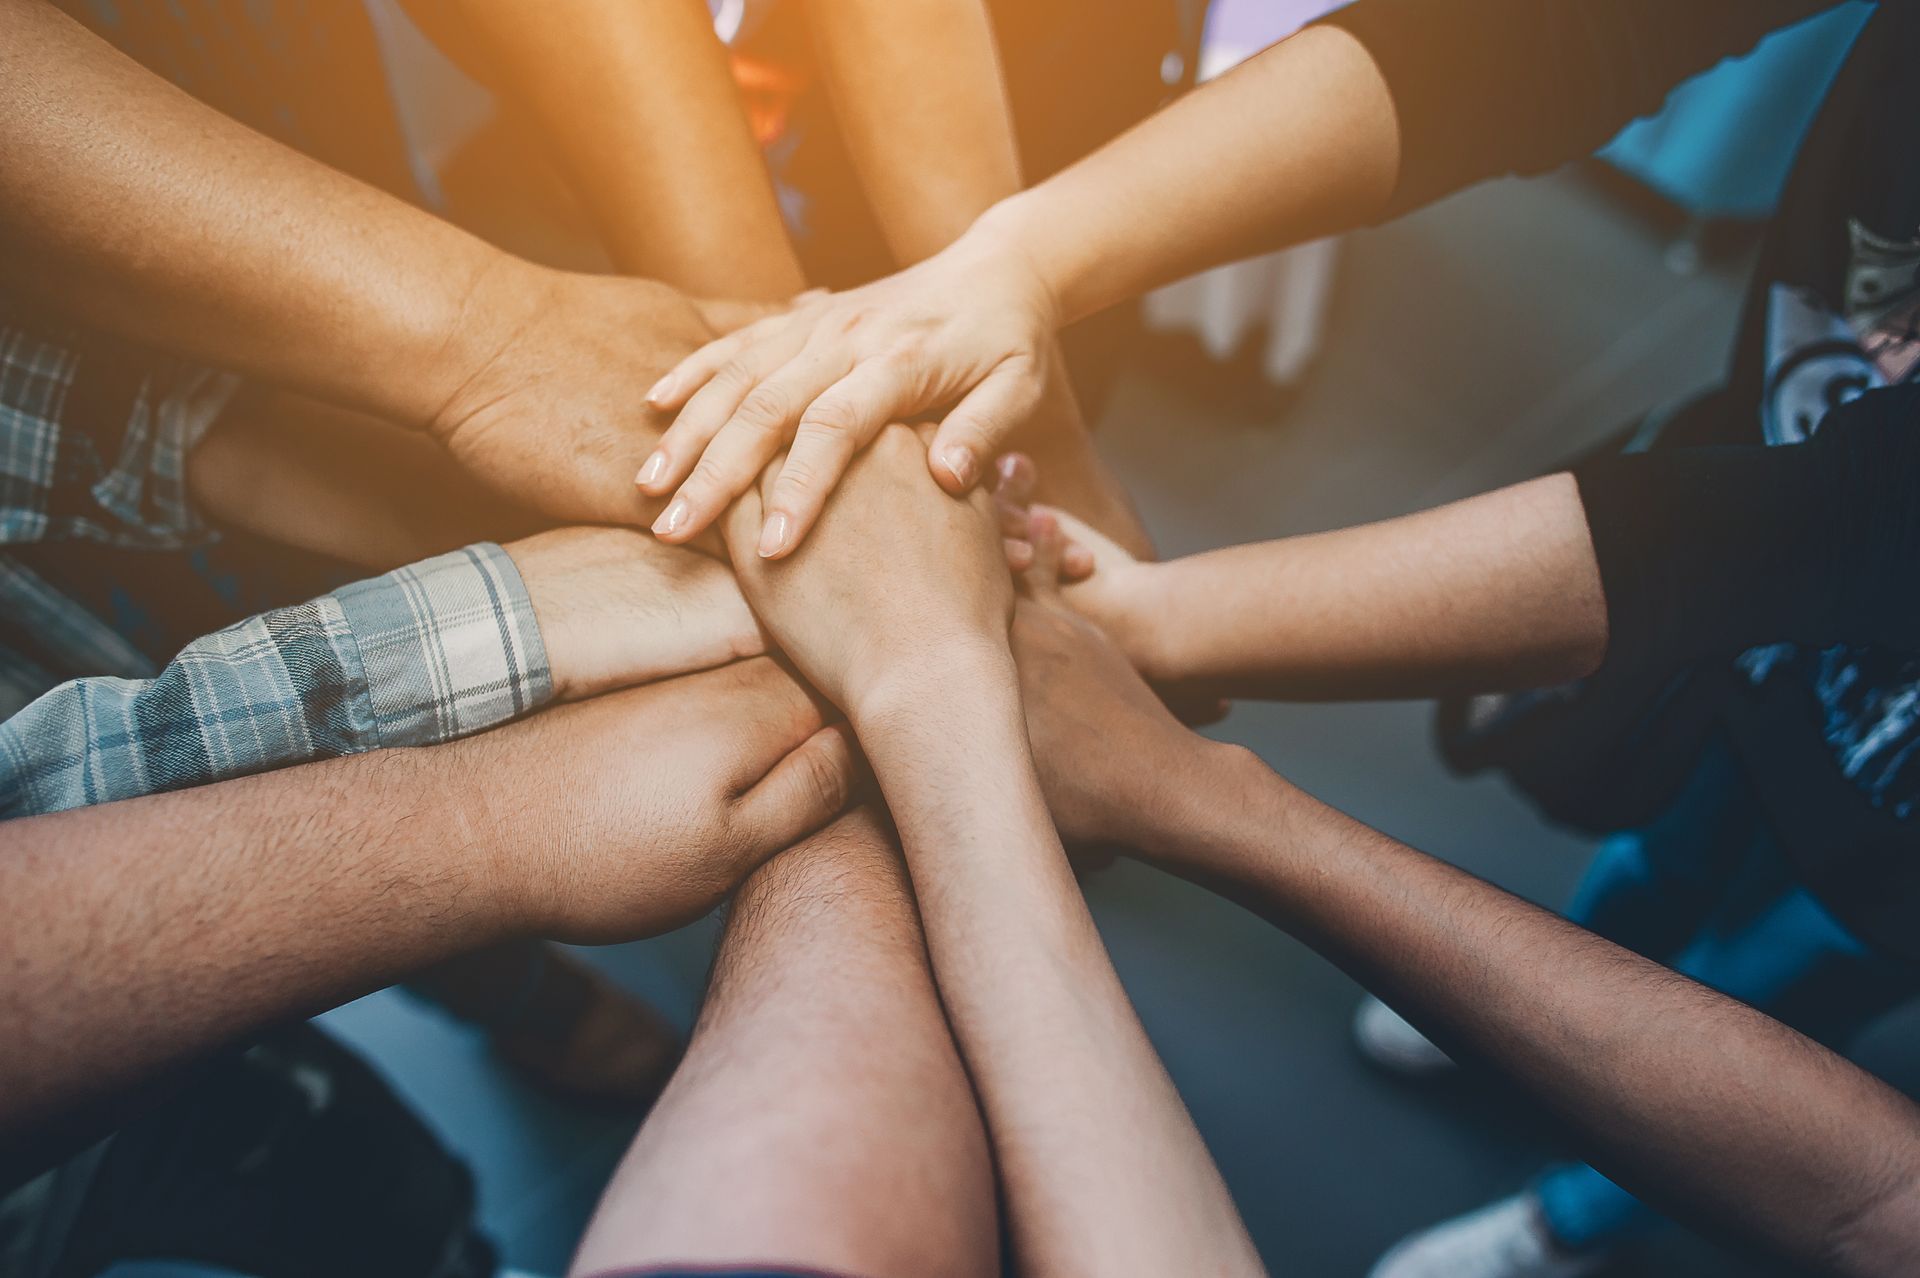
(142, 933)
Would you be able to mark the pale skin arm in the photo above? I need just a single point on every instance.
(1103, 1169)
(146, 932)
(1298, 142)
(1498, 591)
(1699, 1103)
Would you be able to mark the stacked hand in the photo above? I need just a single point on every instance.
(899, 580)
(1111, 756)
(547, 384)
(970, 327)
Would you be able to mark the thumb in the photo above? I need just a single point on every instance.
(803, 792)
(978, 428)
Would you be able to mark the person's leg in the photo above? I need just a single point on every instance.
(1651, 890)
(821, 1118)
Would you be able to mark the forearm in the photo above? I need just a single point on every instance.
(1685, 1096)
(1497, 591)
(131, 205)
(639, 102)
(1298, 142)
(147, 932)
(1103, 1168)
(919, 98)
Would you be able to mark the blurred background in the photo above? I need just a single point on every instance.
(1473, 344)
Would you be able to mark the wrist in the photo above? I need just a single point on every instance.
(496, 301)
(1007, 233)
(1208, 802)
(969, 676)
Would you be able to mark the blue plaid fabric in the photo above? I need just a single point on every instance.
(421, 655)
(94, 439)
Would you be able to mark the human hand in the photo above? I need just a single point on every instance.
(969, 327)
(549, 407)
(1095, 575)
(650, 805)
(617, 608)
(899, 581)
(1082, 697)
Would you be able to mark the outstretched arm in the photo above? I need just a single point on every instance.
(898, 611)
(135, 208)
(1496, 591)
(1694, 1100)
(1643, 560)
(1318, 133)
(139, 934)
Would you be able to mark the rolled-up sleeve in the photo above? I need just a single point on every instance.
(1484, 88)
(427, 653)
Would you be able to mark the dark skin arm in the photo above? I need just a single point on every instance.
(1701, 1104)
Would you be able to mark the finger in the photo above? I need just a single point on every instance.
(843, 419)
(1014, 478)
(980, 424)
(803, 792)
(697, 369)
(1043, 576)
(1076, 563)
(1013, 519)
(1019, 553)
(751, 438)
(819, 457)
(712, 405)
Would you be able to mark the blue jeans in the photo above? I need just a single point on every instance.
(1705, 890)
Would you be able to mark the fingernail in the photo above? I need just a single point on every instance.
(658, 395)
(774, 534)
(650, 473)
(959, 464)
(673, 519)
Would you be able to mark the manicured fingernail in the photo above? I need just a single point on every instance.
(650, 473)
(774, 534)
(658, 395)
(959, 464)
(673, 519)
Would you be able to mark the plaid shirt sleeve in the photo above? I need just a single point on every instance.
(424, 654)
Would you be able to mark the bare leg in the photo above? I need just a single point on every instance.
(821, 1117)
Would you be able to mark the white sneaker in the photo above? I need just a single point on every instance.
(1508, 1239)
(1385, 1038)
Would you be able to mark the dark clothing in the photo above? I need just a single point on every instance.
(1759, 557)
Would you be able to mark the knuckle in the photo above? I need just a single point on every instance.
(734, 374)
(709, 475)
(830, 416)
(765, 408)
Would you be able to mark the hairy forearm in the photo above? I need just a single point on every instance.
(1104, 1170)
(640, 104)
(1495, 592)
(1299, 142)
(1692, 1099)
(145, 932)
(921, 104)
(132, 206)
